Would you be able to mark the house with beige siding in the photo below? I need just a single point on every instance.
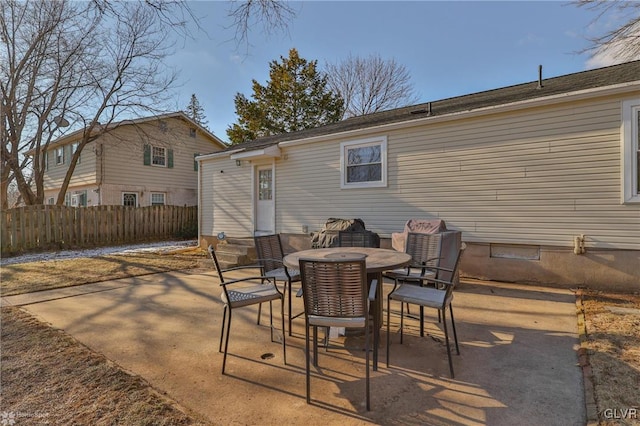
(542, 178)
(141, 162)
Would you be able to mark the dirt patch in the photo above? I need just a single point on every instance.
(50, 378)
(29, 277)
(612, 324)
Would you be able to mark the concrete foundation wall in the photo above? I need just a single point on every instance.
(610, 270)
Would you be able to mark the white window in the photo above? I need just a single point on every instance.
(192, 132)
(363, 163)
(265, 185)
(130, 199)
(51, 201)
(158, 156)
(631, 151)
(163, 126)
(79, 199)
(60, 155)
(157, 199)
(74, 148)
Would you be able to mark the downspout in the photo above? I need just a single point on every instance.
(99, 152)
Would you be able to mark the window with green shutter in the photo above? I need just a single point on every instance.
(158, 156)
(147, 155)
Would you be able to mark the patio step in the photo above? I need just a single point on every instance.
(236, 252)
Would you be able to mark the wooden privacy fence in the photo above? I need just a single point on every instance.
(45, 227)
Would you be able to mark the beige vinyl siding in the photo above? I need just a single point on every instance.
(536, 176)
(205, 202)
(83, 174)
(124, 169)
(228, 189)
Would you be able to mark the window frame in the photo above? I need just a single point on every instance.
(164, 199)
(135, 194)
(59, 155)
(630, 151)
(73, 147)
(164, 156)
(360, 143)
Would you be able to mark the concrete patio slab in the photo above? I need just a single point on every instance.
(518, 361)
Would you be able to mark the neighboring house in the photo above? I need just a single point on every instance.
(530, 174)
(141, 162)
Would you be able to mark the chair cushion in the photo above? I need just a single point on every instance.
(414, 273)
(423, 296)
(244, 296)
(322, 321)
(280, 275)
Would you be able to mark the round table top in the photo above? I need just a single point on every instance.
(377, 259)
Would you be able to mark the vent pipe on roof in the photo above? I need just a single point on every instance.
(539, 76)
(429, 108)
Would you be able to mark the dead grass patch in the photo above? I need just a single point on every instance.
(46, 275)
(613, 339)
(50, 378)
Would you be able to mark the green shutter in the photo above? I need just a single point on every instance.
(170, 158)
(147, 155)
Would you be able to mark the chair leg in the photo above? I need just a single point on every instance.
(453, 324)
(367, 356)
(388, 327)
(284, 345)
(315, 346)
(226, 342)
(289, 291)
(376, 340)
(259, 313)
(446, 338)
(222, 328)
(402, 322)
(271, 319)
(308, 361)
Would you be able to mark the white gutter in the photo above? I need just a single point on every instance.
(217, 155)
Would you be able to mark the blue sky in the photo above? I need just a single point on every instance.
(449, 48)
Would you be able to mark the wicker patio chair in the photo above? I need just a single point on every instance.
(438, 297)
(335, 295)
(270, 255)
(246, 291)
(425, 256)
(358, 239)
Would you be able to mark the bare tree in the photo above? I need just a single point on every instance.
(370, 84)
(269, 15)
(71, 62)
(622, 43)
(86, 65)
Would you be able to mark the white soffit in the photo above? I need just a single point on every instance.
(272, 151)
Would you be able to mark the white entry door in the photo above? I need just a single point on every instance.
(265, 204)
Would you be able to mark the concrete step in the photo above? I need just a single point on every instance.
(236, 252)
(240, 241)
(234, 249)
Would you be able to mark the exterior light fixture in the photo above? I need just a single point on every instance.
(61, 121)
(238, 163)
